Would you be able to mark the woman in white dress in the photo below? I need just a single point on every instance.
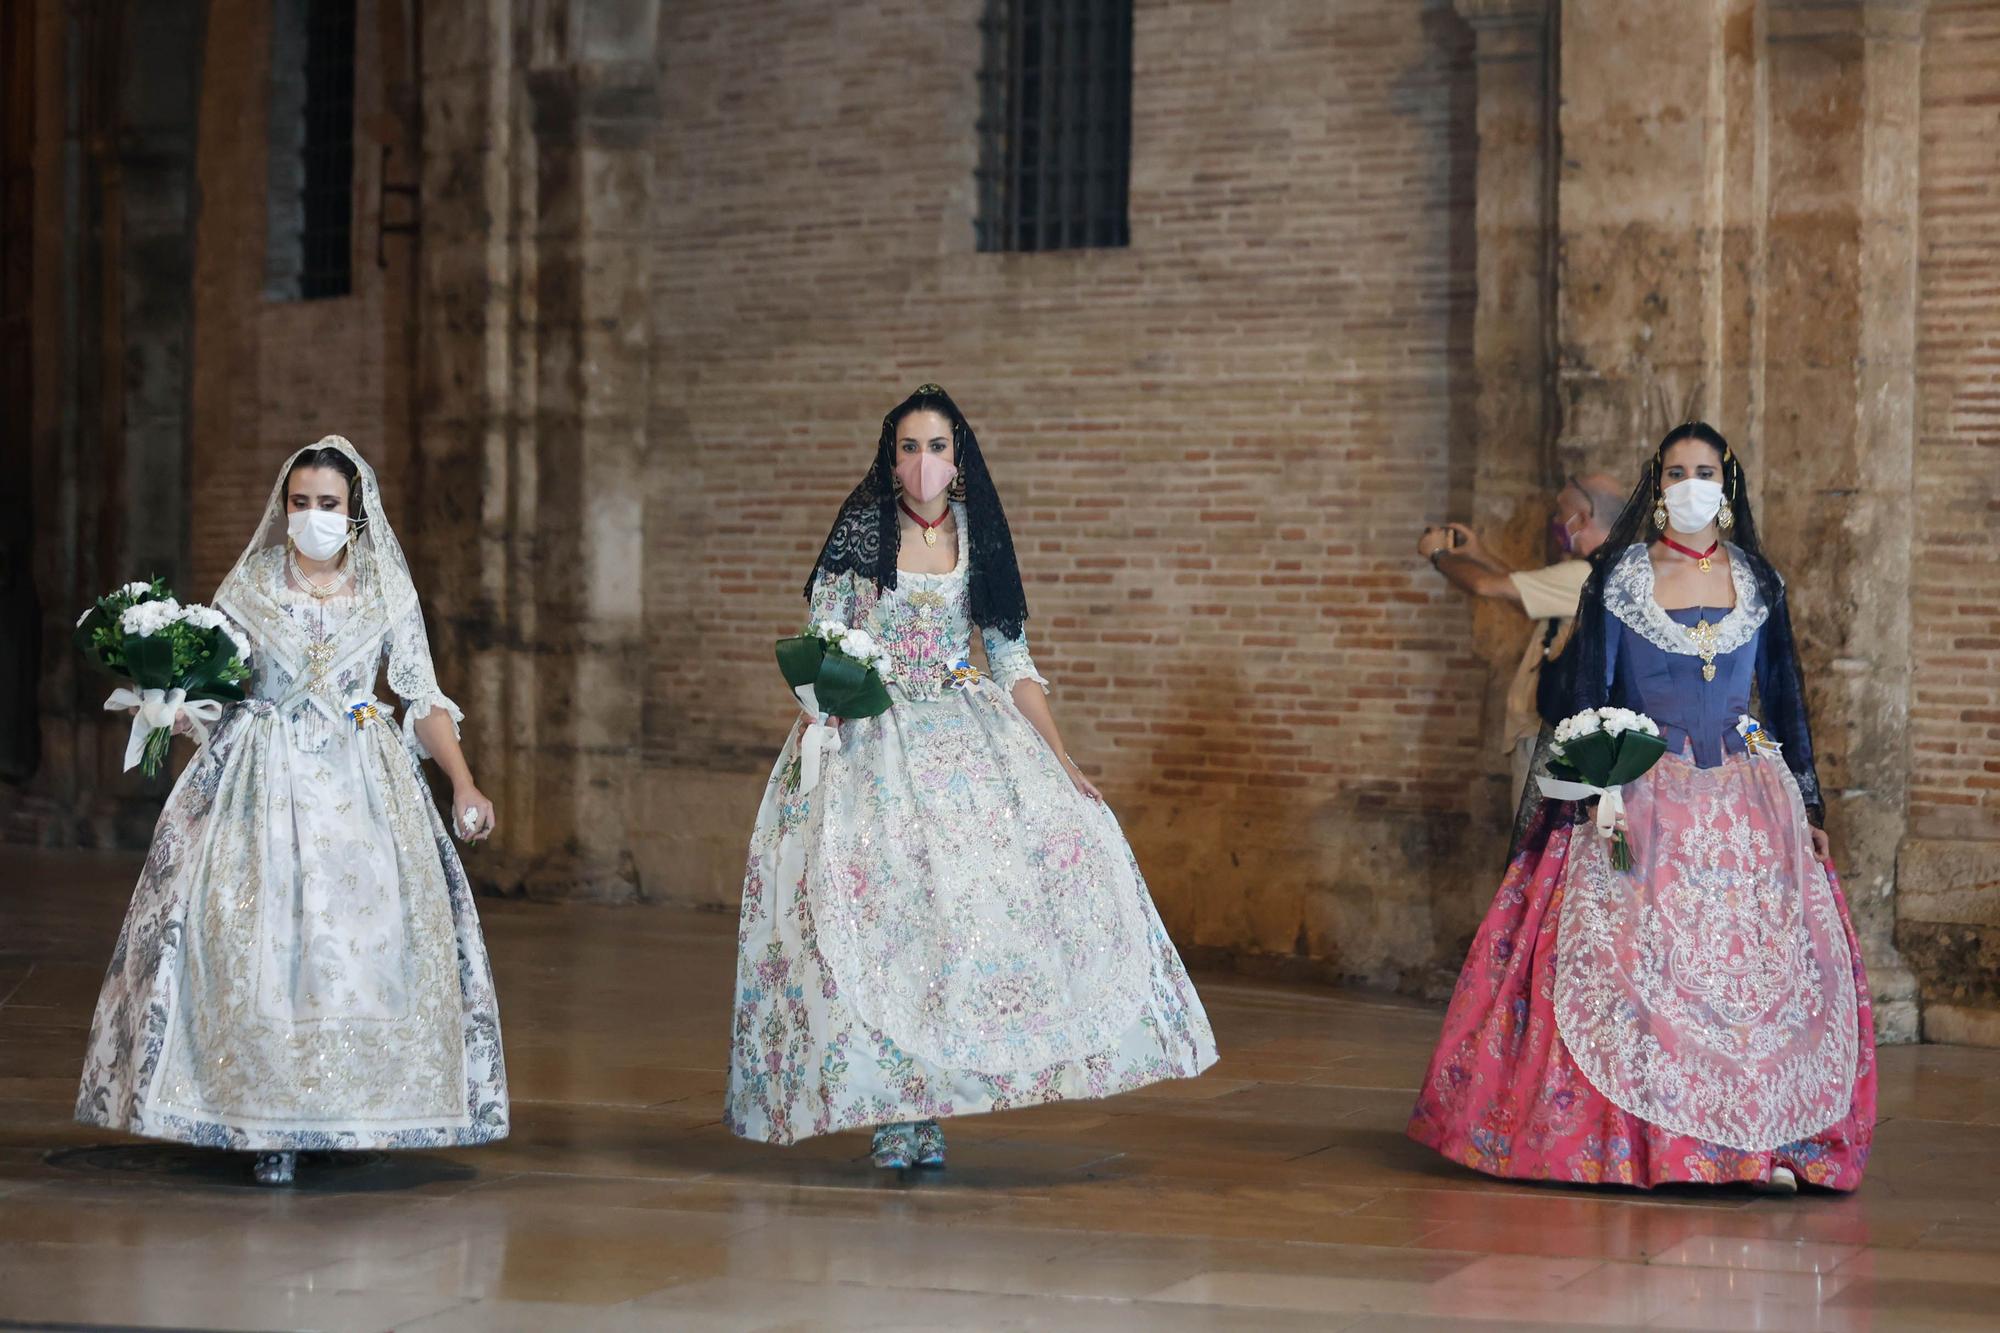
(949, 921)
(301, 966)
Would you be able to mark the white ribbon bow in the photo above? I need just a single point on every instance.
(821, 739)
(1610, 800)
(157, 709)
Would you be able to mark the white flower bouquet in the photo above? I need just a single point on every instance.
(834, 671)
(848, 671)
(1594, 754)
(182, 661)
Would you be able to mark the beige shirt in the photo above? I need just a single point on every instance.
(1546, 594)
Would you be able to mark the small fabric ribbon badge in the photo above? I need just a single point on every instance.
(1755, 739)
(962, 675)
(821, 739)
(363, 713)
(158, 709)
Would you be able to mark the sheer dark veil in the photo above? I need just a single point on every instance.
(866, 536)
(1780, 683)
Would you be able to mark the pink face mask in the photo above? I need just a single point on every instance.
(925, 475)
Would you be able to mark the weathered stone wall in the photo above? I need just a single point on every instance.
(541, 124)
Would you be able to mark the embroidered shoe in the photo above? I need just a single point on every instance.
(895, 1146)
(930, 1143)
(275, 1168)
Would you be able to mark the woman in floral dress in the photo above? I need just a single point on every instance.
(1704, 1016)
(950, 920)
(301, 966)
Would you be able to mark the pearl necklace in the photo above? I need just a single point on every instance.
(319, 591)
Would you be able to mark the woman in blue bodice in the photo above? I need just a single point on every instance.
(1704, 1015)
(1689, 624)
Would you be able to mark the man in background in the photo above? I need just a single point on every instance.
(1585, 508)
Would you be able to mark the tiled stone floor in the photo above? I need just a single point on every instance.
(1277, 1192)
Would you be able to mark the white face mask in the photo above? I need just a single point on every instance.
(1693, 504)
(319, 535)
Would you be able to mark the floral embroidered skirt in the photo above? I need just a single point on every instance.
(1716, 993)
(301, 966)
(945, 926)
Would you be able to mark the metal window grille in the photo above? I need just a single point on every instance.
(309, 232)
(326, 236)
(1055, 124)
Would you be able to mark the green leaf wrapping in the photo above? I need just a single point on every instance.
(845, 686)
(150, 661)
(1604, 760)
(850, 688)
(208, 678)
(87, 627)
(1589, 758)
(799, 659)
(1637, 753)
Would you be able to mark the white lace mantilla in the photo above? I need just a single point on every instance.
(1629, 595)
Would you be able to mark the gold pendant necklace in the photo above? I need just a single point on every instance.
(929, 526)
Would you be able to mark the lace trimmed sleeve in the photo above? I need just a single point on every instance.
(1007, 659)
(414, 679)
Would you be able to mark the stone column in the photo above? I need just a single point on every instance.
(593, 105)
(1659, 201)
(1841, 378)
(537, 341)
(467, 488)
(1737, 211)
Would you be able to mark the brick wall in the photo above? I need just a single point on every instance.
(1215, 446)
(1947, 915)
(1955, 703)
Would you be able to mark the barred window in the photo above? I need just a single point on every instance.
(1055, 125)
(310, 250)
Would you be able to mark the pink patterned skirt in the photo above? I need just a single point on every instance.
(1505, 1096)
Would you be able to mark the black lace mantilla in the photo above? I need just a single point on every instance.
(866, 535)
